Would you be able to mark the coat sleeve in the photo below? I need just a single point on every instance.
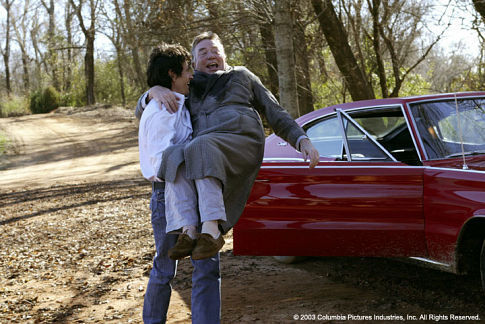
(278, 118)
(140, 106)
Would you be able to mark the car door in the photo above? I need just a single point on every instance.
(365, 203)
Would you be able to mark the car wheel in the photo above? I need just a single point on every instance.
(288, 259)
(482, 265)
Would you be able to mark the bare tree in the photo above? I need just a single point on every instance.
(283, 31)
(336, 36)
(39, 59)
(69, 15)
(114, 33)
(51, 42)
(398, 25)
(7, 4)
(267, 39)
(133, 41)
(302, 57)
(89, 34)
(21, 29)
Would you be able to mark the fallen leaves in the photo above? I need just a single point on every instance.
(65, 259)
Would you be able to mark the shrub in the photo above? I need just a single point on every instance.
(44, 101)
(12, 106)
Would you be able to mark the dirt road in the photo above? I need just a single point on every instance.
(76, 245)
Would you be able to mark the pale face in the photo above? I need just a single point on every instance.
(180, 83)
(209, 56)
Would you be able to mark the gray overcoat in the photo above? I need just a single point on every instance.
(228, 136)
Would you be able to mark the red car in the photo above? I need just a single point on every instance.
(399, 177)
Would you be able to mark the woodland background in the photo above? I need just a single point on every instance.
(310, 53)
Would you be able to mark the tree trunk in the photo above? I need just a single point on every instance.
(68, 24)
(25, 65)
(304, 87)
(21, 37)
(337, 40)
(51, 43)
(122, 77)
(39, 58)
(285, 57)
(134, 45)
(115, 37)
(89, 68)
(6, 51)
(381, 72)
(89, 35)
(267, 38)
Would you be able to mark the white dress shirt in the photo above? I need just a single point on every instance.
(158, 130)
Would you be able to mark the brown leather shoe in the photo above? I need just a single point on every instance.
(207, 246)
(182, 248)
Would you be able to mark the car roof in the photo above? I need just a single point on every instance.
(383, 102)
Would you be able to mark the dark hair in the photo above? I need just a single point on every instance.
(163, 58)
(199, 38)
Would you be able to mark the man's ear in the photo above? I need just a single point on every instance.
(172, 75)
(193, 65)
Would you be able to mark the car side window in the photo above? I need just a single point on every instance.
(326, 136)
(371, 134)
(360, 146)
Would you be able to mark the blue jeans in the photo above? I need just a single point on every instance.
(206, 279)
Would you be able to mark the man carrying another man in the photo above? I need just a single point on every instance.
(227, 147)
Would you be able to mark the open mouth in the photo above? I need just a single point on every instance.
(212, 66)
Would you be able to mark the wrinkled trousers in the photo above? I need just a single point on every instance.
(184, 195)
(206, 280)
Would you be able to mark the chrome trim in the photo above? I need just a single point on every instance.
(320, 166)
(453, 169)
(352, 109)
(342, 166)
(344, 135)
(350, 119)
(429, 264)
(416, 146)
(413, 119)
(283, 159)
(448, 95)
(319, 117)
(430, 261)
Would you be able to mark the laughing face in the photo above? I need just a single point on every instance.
(180, 83)
(209, 56)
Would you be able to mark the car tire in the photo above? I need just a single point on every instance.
(288, 259)
(482, 265)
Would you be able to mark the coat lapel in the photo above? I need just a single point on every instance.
(211, 81)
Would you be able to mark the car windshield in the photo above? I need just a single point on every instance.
(444, 125)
